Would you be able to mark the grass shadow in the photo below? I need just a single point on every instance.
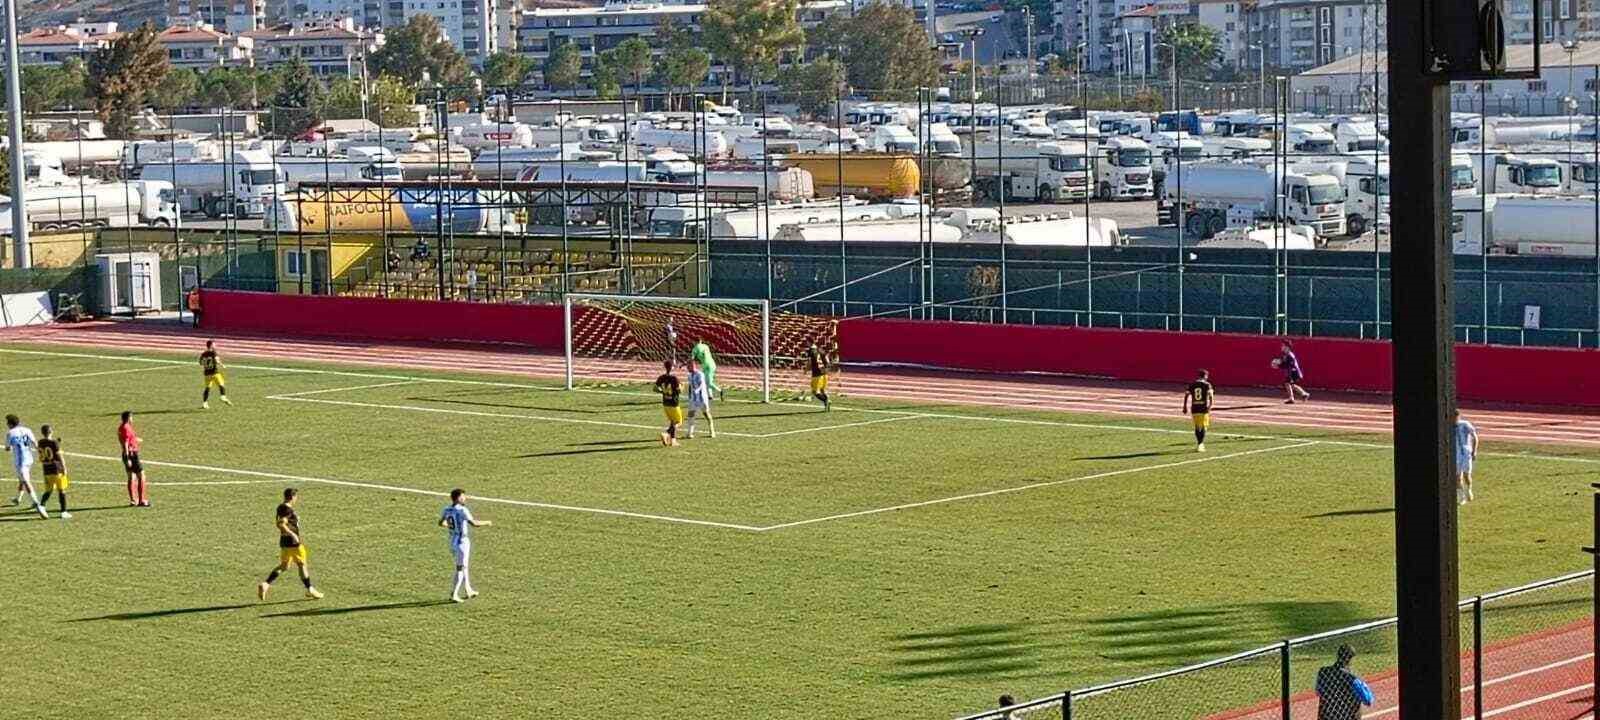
(320, 612)
(589, 451)
(1178, 637)
(608, 443)
(151, 614)
(965, 651)
(1127, 456)
(1350, 513)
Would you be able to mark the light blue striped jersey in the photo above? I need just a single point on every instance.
(459, 520)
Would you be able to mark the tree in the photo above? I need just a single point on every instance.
(179, 89)
(121, 74)
(605, 78)
(5, 172)
(752, 35)
(814, 86)
(632, 59)
(228, 87)
(297, 106)
(563, 67)
(1197, 50)
(388, 102)
(687, 67)
(887, 50)
(416, 48)
(505, 69)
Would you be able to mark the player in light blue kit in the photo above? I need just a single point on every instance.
(22, 445)
(1466, 454)
(459, 521)
(699, 399)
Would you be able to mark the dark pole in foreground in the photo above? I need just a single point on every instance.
(1422, 313)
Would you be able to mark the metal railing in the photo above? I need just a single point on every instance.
(1552, 617)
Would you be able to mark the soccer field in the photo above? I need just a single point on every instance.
(879, 560)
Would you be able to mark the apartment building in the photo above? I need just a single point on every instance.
(55, 45)
(1562, 20)
(200, 47)
(231, 16)
(473, 26)
(597, 29)
(331, 46)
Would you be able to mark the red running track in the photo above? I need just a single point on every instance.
(1353, 413)
(1543, 676)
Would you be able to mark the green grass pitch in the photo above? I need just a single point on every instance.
(881, 560)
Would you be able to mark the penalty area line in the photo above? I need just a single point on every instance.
(1038, 485)
(50, 378)
(275, 477)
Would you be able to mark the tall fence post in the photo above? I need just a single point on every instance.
(1283, 680)
(1477, 657)
(1066, 705)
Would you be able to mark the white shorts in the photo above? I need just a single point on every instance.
(24, 470)
(461, 552)
(1464, 464)
(699, 407)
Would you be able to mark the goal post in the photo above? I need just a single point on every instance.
(625, 338)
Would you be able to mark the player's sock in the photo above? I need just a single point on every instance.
(461, 579)
(144, 491)
(205, 395)
(222, 392)
(271, 576)
(1200, 436)
(824, 398)
(305, 579)
(132, 498)
(61, 498)
(45, 498)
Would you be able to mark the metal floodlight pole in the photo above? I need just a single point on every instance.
(19, 205)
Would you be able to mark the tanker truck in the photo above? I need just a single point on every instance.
(243, 184)
(1522, 224)
(395, 209)
(1212, 194)
(136, 203)
(869, 175)
(1025, 170)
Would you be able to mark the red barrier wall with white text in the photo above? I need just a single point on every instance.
(1555, 376)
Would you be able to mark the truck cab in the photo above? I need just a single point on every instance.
(678, 223)
(1316, 200)
(943, 142)
(1123, 170)
(894, 139)
(1311, 139)
(255, 184)
(158, 203)
(1516, 173)
(1463, 181)
(1186, 121)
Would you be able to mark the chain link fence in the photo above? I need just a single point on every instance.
(1521, 647)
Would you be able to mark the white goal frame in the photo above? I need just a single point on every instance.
(763, 306)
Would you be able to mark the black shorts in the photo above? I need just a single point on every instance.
(131, 462)
(1293, 376)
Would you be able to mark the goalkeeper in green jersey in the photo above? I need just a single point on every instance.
(701, 353)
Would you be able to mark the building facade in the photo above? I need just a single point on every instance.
(56, 45)
(473, 26)
(232, 16)
(332, 47)
(200, 47)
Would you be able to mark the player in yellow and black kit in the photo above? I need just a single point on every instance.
(55, 470)
(818, 361)
(670, 390)
(1197, 402)
(212, 367)
(291, 547)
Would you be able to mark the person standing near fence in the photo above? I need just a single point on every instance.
(1340, 694)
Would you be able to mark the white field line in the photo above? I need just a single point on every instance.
(294, 395)
(820, 428)
(202, 483)
(951, 416)
(1036, 486)
(1496, 681)
(480, 413)
(273, 477)
(81, 375)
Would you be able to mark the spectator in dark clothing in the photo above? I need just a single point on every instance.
(420, 252)
(392, 261)
(1005, 702)
(1340, 694)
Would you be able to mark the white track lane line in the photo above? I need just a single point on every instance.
(1035, 486)
(271, 476)
(1497, 680)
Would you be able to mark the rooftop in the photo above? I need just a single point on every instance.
(1517, 56)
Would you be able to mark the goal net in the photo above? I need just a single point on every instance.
(623, 339)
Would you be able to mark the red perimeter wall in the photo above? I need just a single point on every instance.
(1554, 376)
